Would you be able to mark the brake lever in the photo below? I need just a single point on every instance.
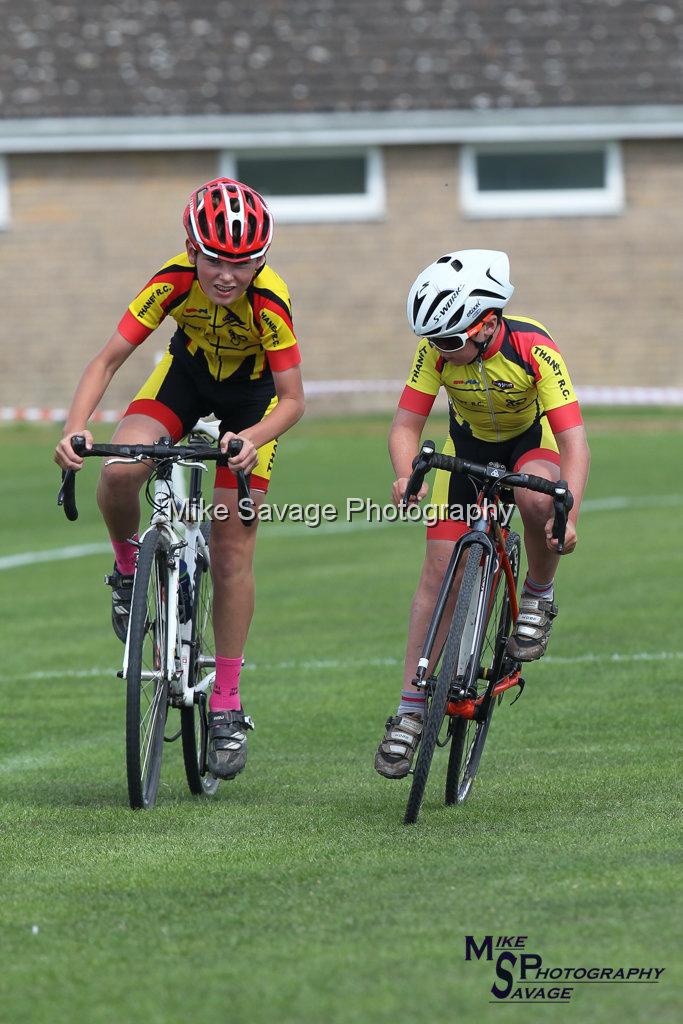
(421, 466)
(563, 501)
(246, 508)
(559, 524)
(67, 495)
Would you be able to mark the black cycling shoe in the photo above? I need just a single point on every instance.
(121, 597)
(227, 751)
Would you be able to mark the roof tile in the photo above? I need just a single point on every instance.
(88, 58)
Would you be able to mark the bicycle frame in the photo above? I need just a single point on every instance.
(495, 562)
(182, 534)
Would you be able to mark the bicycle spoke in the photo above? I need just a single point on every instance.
(203, 649)
(151, 715)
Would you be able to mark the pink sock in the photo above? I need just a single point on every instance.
(126, 555)
(226, 689)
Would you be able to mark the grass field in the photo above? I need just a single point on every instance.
(297, 895)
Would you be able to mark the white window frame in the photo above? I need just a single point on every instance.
(570, 202)
(369, 205)
(4, 194)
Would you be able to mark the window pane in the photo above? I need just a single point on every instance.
(526, 171)
(304, 176)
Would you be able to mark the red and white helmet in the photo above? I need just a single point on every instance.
(227, 219)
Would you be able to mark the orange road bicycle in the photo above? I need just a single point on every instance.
(471, 673)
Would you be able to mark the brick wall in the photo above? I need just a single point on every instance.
(87, 230)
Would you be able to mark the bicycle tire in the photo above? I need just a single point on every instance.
(147, 698)
(436, 710)
(192, 723)
(467, 735)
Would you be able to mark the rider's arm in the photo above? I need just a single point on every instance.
(422, 387)
(575, 460)
(290, 408)
(574, 464)
(91, 387)
(404, 444)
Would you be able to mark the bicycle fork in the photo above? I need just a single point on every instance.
(470, 540)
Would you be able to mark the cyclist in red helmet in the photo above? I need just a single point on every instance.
(234, 354)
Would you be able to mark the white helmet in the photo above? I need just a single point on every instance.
(454, 293)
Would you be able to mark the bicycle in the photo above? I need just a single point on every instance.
(472, 671)
(169, 656)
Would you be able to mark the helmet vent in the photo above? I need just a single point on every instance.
(486, 294)
(455, 319)
(456, 264)
(220, 227)
(440, 298)
(444, 259)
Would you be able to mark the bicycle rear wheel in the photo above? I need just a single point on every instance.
(456, 647)
(467, 735)
(203, 656)
(146, 680)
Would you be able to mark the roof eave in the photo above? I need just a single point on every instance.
(418, 127)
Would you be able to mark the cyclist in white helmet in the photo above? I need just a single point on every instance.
(511, 401)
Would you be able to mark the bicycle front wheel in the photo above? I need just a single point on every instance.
(453, 667)
(146, 680)
(203, 658)
(467, 735)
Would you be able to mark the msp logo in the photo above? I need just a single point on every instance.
(520, 975)
(504, 385)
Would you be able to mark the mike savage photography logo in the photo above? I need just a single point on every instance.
(356, 510)
(522, 975)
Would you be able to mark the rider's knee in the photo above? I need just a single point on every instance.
(433, 571)
(535, 509)
(231, 551)
(122, 478)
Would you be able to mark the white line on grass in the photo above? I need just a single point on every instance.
(613, 504)
(333, 664)
(50, 757)
(53, 555)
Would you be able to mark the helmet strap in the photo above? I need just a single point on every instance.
(483, 345)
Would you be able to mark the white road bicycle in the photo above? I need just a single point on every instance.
(169, 658)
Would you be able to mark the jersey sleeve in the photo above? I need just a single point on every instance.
(166, 290)
(555, 390)
(424, 381)
(273, 315)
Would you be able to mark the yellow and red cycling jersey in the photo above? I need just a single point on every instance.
(244, 340)
(521, 377)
